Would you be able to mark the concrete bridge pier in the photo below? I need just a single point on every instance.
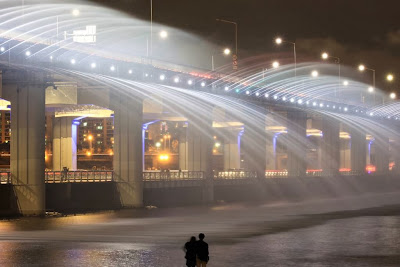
(64, 143)
(381, 145)
(199, 152)
(255, 147)
(232, 139)
(358, 150)
(27, 95)
(128, 148)
(330, 145)
(297, 149)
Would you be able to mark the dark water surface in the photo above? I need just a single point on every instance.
(359, 231)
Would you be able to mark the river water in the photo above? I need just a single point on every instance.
(357, 231)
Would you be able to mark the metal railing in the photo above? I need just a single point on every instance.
(172, 175)
(78, 176)
(235, 175)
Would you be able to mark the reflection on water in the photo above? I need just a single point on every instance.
(239, 235)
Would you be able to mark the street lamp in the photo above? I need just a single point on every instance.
(236, 32)
(314, 73)
(225, 52)
(279, 41)
(390, 77)
(75, 12)
(362, 68)
(392, 95)
(163, 34)
(275, 64)
(326, 56)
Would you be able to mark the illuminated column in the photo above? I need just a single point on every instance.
(232, 140)
(296, 145)
(345, 153)
(199, 151)
(183, 149)
(255, 146)
(381, 147)
(128, 149)
(64, 143)
(27, 162)
(358, 150)
(330, 145)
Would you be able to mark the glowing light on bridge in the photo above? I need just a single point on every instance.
(247, 92)
(27, 53)
(176, 80)
(257, 93)
(130, 71)
(392, 95)
(345, 83)
(266, 95)
(226, 88)
(2, 49)
(73, 61)
(227, 51)
(190, 82)
(75, 12)
(278, 40)
(162, 77)
(324, 55)
(314, 73)
(93, 65)
(163, 34)
(275, 64)
(361, 67)
(370, 89)
(203, 84)
(390, 77)
(112, 68)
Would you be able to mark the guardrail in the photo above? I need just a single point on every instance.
(172, 175)
(78, 176)
(235, 175)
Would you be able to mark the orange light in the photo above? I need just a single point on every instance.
(90, 137)
(344, 170)
(370, 168)
(163, 157)
(111, 153)
(88, 153)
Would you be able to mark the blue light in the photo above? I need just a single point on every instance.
(237, 90)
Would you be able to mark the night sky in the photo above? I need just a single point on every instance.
(366, 31)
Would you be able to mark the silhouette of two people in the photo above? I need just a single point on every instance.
(196, 252)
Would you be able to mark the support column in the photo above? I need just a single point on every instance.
(232, 149)
(358, 151)
(27, 162)
(199, 152)
(345, 153)
(183, 149)
(381, 145)
(296, 146)
(64, 143)
(128, 149)
(255, 147)
(271, 141)
(330, 146)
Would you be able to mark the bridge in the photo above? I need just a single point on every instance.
(271, 127)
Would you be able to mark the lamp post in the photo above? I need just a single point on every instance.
(389, 78)
(279, 41)
(226, 52)
(236, 38)
(325, 56)
(362, 68)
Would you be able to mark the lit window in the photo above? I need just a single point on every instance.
(85, 124)
(99, 127)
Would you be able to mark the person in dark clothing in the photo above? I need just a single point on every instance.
(190, 250)
(201, 252)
